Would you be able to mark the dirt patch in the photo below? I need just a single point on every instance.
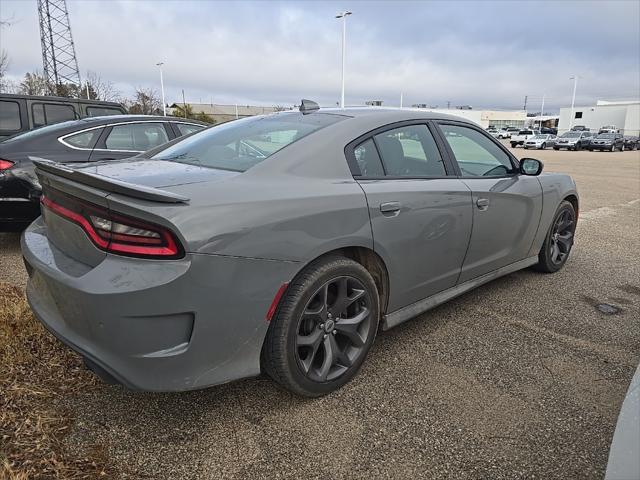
(36, 371)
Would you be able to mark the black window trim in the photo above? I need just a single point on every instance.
(44, 112)
(349, 151)
(12, 131)
(515, 163)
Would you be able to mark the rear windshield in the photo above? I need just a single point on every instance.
(241, 144)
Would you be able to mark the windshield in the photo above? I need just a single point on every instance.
(241, 144)
(41, 130)
(540, 137)
(570, 135)
(607, 135)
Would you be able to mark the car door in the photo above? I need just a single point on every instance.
(122, 140)
(506, 205)
(420, 215)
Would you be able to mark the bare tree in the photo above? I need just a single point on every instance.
(34, 84)
(146, 102)
(99, 89)
(4, 61)
(4, 66)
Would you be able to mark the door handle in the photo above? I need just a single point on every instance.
(390, 207)
(482, 203)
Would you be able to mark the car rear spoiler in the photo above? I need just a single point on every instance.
(109, 184)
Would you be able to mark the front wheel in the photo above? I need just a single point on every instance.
(544, 146)
(559, 240)
(514, 145)
(323, 328)
(622, 148)
(613, 148)
(577, 147)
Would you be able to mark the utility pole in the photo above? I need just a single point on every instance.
(400, 99)
(184, 104)
(164, 105)
(526, 97)
(448, 104)
(542, 111)
(343, 16)
(573, 98)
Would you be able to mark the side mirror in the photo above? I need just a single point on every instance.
(531, 166)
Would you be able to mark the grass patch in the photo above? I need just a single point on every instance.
(36, 370)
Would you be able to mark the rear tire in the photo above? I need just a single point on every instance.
(514, 144)
(313, 345)
(559, 240)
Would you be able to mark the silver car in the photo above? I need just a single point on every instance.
(282, 243)
(540, 141)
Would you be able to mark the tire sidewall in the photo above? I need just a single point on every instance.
(324, 273)
(551, 266)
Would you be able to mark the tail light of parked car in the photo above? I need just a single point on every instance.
(113, 232)
(5, 165)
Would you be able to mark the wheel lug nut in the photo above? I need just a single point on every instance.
(325, 336)
(322, 325)
(334, 332)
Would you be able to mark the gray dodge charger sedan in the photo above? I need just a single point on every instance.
(282, 243)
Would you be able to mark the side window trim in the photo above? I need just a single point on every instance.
(515, 163)
(355, 169)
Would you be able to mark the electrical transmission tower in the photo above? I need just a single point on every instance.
(58, 51)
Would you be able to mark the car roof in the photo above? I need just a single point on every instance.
(384, 114)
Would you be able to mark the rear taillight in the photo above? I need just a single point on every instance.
(115, 233)
(5, 165)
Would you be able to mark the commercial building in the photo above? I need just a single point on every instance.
(624, 115)
(225, 113)
(485, 118)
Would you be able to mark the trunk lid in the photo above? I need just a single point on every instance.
(140, 189)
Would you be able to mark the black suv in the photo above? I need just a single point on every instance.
(21, 113)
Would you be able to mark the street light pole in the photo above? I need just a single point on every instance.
(542, 111)
(164, 105)
(573, 98)
(343, 16)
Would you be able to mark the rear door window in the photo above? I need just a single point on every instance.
(410, 151)
(186, 128)
(136, 137)
(10, 116)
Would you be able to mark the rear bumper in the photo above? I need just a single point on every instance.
(156, 325)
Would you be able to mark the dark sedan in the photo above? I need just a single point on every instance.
(607, 141)
(91, 139)
(631, 143)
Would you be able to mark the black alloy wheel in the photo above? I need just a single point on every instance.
(323, 327)
(333, 328)
(559, 240)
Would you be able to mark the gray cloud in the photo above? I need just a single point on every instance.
(488, 54)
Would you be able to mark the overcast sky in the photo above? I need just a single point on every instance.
(485, 54)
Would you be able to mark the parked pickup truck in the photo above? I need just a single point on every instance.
(521, 137)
